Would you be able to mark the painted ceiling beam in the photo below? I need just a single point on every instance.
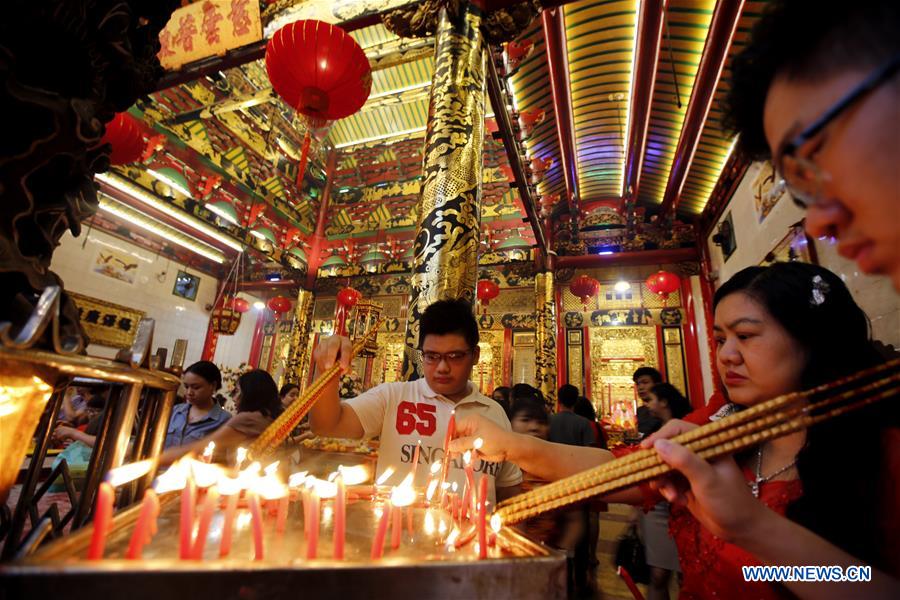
(641, 257)
(554, 23)
(504, 127)
(715, 52)
(646, 48)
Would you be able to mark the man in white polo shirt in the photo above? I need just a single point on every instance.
(404, 413)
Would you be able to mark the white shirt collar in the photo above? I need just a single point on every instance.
(473, 396)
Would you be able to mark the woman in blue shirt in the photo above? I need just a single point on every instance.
(200, 415)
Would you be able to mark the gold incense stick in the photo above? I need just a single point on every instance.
(281, 427)
(771, 419)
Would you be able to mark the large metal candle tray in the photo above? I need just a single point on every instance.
(424, 566)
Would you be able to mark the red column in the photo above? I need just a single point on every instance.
(707, 294)
(586, 361)
(256, 344)
(507, 356)
(691, 347)
(661, 353)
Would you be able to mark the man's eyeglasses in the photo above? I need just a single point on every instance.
(452, 358)
(803, 177)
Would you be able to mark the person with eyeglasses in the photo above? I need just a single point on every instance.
(405, 414)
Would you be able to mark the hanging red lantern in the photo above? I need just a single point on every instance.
(279, 304)
(663, 283)
(348, 297)
(124, 134)
(320, 71)
(529, 119)
(585, 288)
(240, 305)
(486, 290)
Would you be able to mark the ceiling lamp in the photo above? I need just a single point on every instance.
(622, 286)
(371, 259)
(124, 134)
(172, 178)
(224, 210)
(514, 242)
(299, 253)
(333, 263)
(263, 233)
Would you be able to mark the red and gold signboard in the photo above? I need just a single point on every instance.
(208, 28)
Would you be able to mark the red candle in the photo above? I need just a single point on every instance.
(228, 524)
(454, 501)
(630, 583)
(396, 527)
(381, 532)
(256, 513)
(415, 460)
(340, 515)
(281, 515)
(464, 505)
(470, 484)
(106, 495)
(143, 529)
(445, 466)
(313, 540)
(482, 517)
(210, 503)
(305, 495)
(188, 497)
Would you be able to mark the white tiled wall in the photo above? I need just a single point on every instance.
(176, 317)
(754, 240)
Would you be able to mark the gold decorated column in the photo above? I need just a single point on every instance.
(297, 367)
(446, 244)
(545, 338)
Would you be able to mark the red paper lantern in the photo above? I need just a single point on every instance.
(663, 283)
(585, 288)
(348, 297)
(124, 134)
(224, 320)
(487, 290)
(279, 304)
(240, 305)
(318, 69)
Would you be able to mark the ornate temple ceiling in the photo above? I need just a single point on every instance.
(227, 141)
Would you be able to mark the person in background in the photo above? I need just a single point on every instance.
(87, 432)
(665, 403)
(199, 415)
(258, 404)
(74, 402)
(288, 393)
(644, 379)
(501, 396)
(565, 426)
(585, 408)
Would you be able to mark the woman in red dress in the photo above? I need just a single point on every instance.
(808, 498)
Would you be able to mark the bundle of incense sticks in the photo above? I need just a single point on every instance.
(774, 418)
(281, 427)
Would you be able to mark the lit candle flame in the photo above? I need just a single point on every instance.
(467, 457)
(496, 522)
(205, 474)
(297, 479)
(404, 494)
(478, 443)
(429, 523)
(322, 488)
(385, 476)
(129, 472)
(451, 539)
(229, 485)
(174, 478)
(435, 467)
(432, 486)
(332, 476)
(454, 487)
(208, 451)
(272, 469)
(241, 456)
(327, 513)
(354, 475)
(442, 526)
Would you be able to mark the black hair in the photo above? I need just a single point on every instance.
(567, 395)
(505, 394)
(650, 372)
(841, 463)
(208, 371)
(805, 41)
(287, 389)
(531, 407)
(259, 393)
(449, 316)
(584, 408)
(677, 403)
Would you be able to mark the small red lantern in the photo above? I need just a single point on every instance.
(486, 290)
(124, 134)
(585, 288)
(348, 297)
(279, 304)
(240, 305)
(663, 283)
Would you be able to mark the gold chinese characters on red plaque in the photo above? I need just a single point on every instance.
(208, 28)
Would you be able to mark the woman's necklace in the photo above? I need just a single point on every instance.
(754, 485)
